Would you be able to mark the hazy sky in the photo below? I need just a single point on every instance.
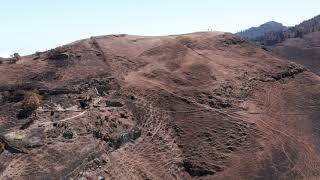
(35, 25)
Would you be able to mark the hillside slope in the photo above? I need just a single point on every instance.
(201, 105)
(299, 43)
(305, 50)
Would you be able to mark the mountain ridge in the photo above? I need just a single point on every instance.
(297, 31)
(255, 32)
(207, 105)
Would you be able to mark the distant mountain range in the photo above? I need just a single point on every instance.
(300, 43)
(255, 32)
(272, 32)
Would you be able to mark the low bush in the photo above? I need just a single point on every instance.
(30, 103)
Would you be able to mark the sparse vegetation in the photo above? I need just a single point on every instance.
(68, 134)
(30, 103)
(17, 56)
(14, 58)
(175, 107)
(37, 55)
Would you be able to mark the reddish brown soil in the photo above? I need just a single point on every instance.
(305, 51)
(193, 106)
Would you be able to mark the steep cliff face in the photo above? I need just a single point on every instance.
(201, 105)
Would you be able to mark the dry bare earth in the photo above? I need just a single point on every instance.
(305, 51)
(194, 106)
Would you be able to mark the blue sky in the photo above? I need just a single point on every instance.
(35, 25)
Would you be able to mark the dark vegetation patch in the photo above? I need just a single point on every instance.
(17, 93)
(114, 103)
(117, 141)
(61, 56)
(195, 170)
(57, 91)
(28, 123)
(85, 102)
(214, 101)
(46, 76)
(59, 128)
(115, 134)
(29, 100)
(228, 40)
(139, 113)
(219, 104)
(1, 148)
(30, 103)
(13, 96)
(68, 134)
(95, 164)
(102, 84)
(21, 87)
(58, 56)
(288, 72)
(59, 60)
